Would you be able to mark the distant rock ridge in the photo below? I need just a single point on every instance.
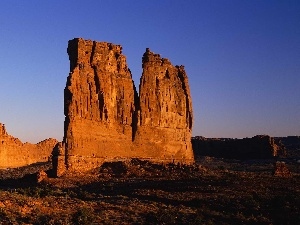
(14, 153)
(105, 118)
(257, 147)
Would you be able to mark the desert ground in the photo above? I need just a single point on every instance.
(212, 191)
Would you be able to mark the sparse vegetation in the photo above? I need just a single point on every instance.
(83, 216)
(212, 192)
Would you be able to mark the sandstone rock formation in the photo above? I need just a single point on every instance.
(105, 117)
(281, 170)
(257, 147)
(99, 104)
(58, 160)
(165, 110)
(14, 153)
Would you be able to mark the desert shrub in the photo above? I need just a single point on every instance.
(25, 191)
(199, 219)
(162, 216)
(40, 191)
(6, 217)
(175, 216)
(83, 216)
(44, 220)
(284, 208)
(221, 167)
(63, 221)
(83, 194)
(251, 202)
(114, 168)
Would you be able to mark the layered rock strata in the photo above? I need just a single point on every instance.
(14, 153)
(105, 117)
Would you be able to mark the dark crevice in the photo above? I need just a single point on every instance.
(135, 112)
(182, 76)
(73, 53)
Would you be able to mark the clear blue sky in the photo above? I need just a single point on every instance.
(242, 59)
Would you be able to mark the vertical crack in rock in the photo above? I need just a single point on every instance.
(185, 86)
(135, 109)
(107, 119)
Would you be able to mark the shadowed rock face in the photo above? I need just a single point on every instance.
(14, 153)
(257, 147)
(105, 117)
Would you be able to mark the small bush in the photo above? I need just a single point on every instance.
(83, 216)
(221, 167)
(40, 191)
(6, 218)
(162, 216)
(44, 220)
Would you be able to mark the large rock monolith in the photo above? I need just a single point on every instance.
(105, 119)
(99, 104)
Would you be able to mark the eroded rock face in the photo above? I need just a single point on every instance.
(99, 103)
(165, 116)
(14, 153)
(105, 117)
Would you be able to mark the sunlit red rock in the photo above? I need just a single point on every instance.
(14, 153)
(105, 117)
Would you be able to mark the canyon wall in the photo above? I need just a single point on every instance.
(105, 119)
(14, 153)
(257, 147)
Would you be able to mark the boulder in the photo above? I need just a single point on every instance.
(281, 170)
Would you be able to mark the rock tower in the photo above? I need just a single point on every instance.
(165, 110)
(105, 119)
(99, 104)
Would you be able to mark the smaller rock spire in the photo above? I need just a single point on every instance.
(2, 129)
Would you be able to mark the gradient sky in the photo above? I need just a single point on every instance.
(242, 59)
